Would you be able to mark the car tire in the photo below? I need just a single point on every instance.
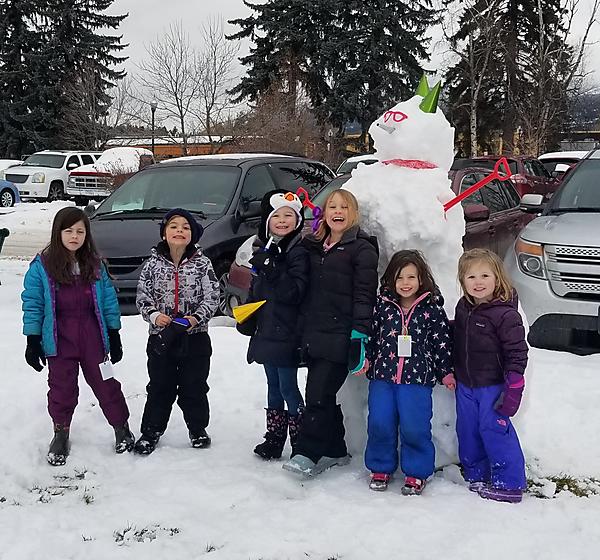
(222, 274)
(82, 201)
(7, 198)
(56, 191)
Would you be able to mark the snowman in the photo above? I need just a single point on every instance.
(401, 197)
(401, 202)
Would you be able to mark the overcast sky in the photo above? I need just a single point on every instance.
(149, 18)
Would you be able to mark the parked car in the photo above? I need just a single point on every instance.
(352, 163)
(9, 194)
(99, 179)
(528, 174)
(44, 175)
(558, 163)
(7, 163)
(555, 263)
(492, 214)
(223, 191)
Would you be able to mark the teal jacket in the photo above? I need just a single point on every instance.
(39, 311)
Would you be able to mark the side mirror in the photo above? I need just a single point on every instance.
(89, 209)
(476, 213)
(532, 203)
(72, 165)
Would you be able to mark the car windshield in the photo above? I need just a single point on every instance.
(348, 166)
(206, 189)
(581, 190)
(45, 160)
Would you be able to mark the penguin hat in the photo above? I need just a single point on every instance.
(275, 200)
(195, 228)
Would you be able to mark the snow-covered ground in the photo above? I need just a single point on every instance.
(225, 502)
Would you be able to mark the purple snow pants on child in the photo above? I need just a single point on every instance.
(80, 343)
(488, 446)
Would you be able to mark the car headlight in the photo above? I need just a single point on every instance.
(38, 178)
(530, 257)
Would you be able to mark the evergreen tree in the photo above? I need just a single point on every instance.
(21, 41)
(47, 49)
(353, 58)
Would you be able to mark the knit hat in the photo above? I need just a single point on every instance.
(273, 201)
(195, 227)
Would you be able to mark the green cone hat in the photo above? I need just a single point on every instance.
(430, 103)
(423, 87)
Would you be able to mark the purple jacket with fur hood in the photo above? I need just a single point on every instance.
(489, 342)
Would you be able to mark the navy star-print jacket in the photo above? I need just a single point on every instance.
(428, 326)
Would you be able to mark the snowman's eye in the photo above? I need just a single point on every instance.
(396, 116)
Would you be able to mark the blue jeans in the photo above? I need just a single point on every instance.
(488, 446)
(282, 386)
(407, 408)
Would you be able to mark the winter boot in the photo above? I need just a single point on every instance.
(147, 442)
(413, 486)
(477, 486)
(124, 439)
(294, 425)
(379, 482)
(277, 426)
(200, 439)
(59, 446)
(501, 494)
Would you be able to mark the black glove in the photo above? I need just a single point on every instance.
(115, 346)
(34, 353)
(264, 261)
(167, 336)
(248, 327)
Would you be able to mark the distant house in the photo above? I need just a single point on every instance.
(166, 147)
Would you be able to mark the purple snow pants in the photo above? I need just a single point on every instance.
(488, 446)
(80, 343)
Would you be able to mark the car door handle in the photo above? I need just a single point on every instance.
(491, 230)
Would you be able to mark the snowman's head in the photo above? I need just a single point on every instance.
(415, 130)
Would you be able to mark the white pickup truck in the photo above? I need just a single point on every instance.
(99, 179)
(44, 175)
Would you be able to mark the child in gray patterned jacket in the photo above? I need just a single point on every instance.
(177, 294)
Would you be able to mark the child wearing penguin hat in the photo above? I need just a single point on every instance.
(281, 268)
(177, 294)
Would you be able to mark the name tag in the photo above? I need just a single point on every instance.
(106, 370)
(404, 346)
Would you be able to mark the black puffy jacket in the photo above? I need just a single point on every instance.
(276, 339)
(341, 294)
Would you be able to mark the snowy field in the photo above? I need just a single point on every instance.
(224, 503)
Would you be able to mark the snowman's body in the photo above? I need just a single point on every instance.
(401, 202)
(401, 198)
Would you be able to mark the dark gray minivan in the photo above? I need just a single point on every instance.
(223, 191)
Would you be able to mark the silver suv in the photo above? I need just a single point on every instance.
(555, 265)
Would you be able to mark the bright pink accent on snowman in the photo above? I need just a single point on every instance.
(501, 172)
(396, 116)
(412, 163)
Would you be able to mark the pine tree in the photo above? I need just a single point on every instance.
(48, 48)
(20, 40)
(353, 58)
(83, 62)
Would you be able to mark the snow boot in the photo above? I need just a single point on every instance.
(501, 494)
(200, 439)
(379, 482)
(124, 439)
(294, 425)
(413, 486)
(59, 446)
(277, 427)
(147, 443)
(477, 486)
